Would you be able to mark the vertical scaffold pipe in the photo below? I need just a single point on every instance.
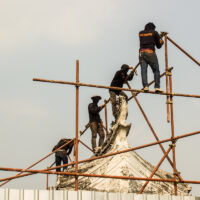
(155, 169)
(47, 182)
(167, 78)
(172, 131)
(77, 122)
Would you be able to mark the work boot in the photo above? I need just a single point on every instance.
(158, 90)
(112, 123)
(97, 150)
(146, 89)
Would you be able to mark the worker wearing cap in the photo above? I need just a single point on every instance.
(62, 154)
(95, 122)
(149, 38)
(121, 76)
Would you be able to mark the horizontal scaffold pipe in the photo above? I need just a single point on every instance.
(98, 175)
(113, 88)
(107, 155)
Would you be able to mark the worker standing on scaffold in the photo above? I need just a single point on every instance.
(149, 38)
(119, 79)
(96, 123)
(62, 154)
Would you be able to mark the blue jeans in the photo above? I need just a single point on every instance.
(152, 60)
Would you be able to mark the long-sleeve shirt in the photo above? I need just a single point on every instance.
(67, 148)
(94, 110)
(119, 79)
(149, 39)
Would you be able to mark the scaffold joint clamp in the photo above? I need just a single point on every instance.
(169, 102)
(168, 74)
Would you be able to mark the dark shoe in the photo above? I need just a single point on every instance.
(112, 123)
(146, 89)
(97, 150)
(158, 90)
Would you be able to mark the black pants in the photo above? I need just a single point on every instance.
(61, 156)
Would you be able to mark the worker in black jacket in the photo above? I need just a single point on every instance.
(95, 122)
(63, 153)
(119, 79)
(149, 38)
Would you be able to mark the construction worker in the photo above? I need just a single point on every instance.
(119, 79)
(62, 154)
(96, 123)
(149, 38)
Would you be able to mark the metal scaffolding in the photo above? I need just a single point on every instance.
(134, 92)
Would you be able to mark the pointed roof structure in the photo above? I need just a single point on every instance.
(128, 164)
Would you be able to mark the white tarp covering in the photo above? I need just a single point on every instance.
(16, 194)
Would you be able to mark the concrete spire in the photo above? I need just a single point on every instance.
(126, 164)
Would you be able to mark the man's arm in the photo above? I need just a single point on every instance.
(130, 76)
(158, 40)
(60, 143)
(71, 144)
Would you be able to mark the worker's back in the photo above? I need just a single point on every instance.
(149, 38)
(62, 142)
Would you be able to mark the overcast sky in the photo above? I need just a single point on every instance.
(43, 39)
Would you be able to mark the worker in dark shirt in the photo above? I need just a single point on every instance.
(119, 79)
(62, 154)
(149, 38)
(95, 122)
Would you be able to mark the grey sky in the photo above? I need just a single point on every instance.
(43, 38)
